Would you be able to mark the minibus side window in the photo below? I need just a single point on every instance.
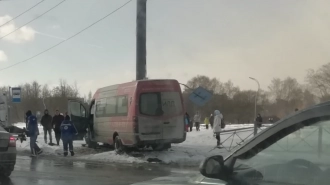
(122, 105)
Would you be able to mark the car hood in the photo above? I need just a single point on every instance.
(182, 180)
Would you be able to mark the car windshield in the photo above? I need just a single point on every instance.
(160, 103)
(300, 157)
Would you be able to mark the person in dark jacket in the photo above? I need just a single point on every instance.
(68, 131)
(46, 122)
(259, 120)
(33, 132)
(57, 121)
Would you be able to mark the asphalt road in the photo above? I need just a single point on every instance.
(65, 171)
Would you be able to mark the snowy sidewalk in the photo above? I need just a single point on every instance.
(197, 147)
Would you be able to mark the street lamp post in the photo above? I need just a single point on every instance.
(255, 107)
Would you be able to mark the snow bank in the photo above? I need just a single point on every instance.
(197, 147)
(47, 149)
(111, 156)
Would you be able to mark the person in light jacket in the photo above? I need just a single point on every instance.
(206, 122)
(217, 125)
(197, 120)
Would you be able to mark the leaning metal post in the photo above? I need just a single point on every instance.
(320, 141)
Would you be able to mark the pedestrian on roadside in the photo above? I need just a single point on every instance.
(197, 120)
(187, 121)
(191, 124)
(46, 122)
(56, 123)
(206, 122)
(259, 121)
(217, 125)
(33, 132)
(211, 120)
(68, 131)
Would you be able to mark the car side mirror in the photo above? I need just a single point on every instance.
(213, 167)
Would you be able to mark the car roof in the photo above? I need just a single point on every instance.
(316, 111)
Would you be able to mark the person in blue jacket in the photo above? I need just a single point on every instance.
(68, 131)
(33, 132)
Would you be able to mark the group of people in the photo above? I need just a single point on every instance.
(216, 121)
(63, 128)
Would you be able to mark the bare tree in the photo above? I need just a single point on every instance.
(320, 81)
(45, 92)
(89, 97)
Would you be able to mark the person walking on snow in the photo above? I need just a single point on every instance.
(206, 122)
(33, 132)
(259, 120)
(46, 122)
(197, 120)
(217, 125)
(211, 120)
(57, 121)
(187, 121)
(68, 131)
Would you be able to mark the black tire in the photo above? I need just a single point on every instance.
(5, 173)
(161, 147)
(89, 142)
(119, 147)
(167, 146)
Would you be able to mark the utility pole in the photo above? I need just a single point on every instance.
(9, 106)
(255, 106)
(141, 39)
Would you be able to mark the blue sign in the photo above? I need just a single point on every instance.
(16, 94)
(200, 96)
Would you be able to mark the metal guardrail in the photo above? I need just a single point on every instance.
(319, 147)
(236, 133)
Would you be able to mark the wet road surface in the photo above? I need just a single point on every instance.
(64, 171)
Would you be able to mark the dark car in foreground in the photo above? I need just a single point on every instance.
(7, 153)
(294, 151)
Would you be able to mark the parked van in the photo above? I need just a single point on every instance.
(135, 114)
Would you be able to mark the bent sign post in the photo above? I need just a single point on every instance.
(200, 96)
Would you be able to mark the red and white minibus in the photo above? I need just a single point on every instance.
(134, 114)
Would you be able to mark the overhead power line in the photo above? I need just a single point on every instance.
(22, 13)
(33, 19)
(74, 35)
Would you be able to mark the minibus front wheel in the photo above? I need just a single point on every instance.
(119, 147)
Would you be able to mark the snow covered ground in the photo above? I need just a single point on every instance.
(197, 146)
(47, 149)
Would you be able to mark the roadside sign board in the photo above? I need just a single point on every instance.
(16, 94)
(200, 96)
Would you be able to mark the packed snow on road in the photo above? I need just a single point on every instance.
(197, 146)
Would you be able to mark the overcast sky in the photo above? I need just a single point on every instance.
(218, 38)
